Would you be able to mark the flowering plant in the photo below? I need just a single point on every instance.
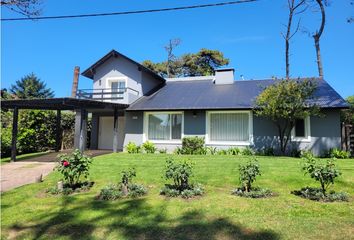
(73, 167)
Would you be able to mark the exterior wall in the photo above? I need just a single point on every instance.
(325, 131)
(141, 82)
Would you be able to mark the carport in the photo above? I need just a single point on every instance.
(81, 107)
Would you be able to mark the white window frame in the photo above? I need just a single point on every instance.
(111, 80)
(232, 143)
(146, 130)
(307, 137)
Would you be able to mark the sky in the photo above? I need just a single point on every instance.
(248, 34)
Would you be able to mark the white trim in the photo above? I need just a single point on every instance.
(146, 124)
(307, 137)
(110, 80)
(231, 143)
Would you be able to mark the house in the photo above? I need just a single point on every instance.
(130, 103)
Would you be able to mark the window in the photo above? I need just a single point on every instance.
(118, 88)
(301, 130)
(164, 126)
(232, 127)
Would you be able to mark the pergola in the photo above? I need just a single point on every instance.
(81, 106)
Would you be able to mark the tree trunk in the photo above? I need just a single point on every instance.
(317, 37)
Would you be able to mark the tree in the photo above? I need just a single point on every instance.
(318, 35)
(29, 8)
(171, 58)
(30, 87)
(201, 63)
(348, 114)
(284, 102)
(294, 8)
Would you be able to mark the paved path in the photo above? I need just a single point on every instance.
(27, 171)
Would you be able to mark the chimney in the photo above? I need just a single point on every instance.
(224, 76)
(75, 81)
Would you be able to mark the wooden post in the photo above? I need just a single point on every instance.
(58, 132)
(115, 131)
(75, 82)
(14, 135)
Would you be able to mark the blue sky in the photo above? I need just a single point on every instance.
(248, 34)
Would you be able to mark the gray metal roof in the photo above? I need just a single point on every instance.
(193, 95)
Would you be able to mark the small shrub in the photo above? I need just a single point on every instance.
(247, 151)
(149, 147)
(306, 154)
(325, 173)
(337, 153)
(222, 152)
(132, 148)
(248, 174)
(82, 187)
(163, 150)
(254, 193)
(110, 192)
(233, 151)
(267, 151)
(316, 194)
(73, 167)
(180, 172)
(211, 150)
(193, 145)
(124, 189)
(295, 153)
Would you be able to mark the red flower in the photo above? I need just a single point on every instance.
(66, 163)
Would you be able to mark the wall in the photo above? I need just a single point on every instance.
(120, 67)
(325, 131)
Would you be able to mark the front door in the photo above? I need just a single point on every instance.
(105, 133)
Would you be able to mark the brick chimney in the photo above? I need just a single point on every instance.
(224, 76)
(75, 81)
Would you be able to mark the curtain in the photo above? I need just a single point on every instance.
(229, 127)
(163, 126)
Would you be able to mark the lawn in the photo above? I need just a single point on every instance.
(29, 213)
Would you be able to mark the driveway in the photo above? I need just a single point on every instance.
(19, 173)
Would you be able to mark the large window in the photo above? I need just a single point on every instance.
(164, 126)
(232, 127)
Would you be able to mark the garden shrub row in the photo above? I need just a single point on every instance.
(75, 167)
(196, 146)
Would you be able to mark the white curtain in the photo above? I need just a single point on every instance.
(229, 127)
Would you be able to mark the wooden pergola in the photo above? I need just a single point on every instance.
(81, 106)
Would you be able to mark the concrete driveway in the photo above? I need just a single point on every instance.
(27, 171)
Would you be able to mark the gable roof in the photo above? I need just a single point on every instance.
(89, 72)
(204, 94)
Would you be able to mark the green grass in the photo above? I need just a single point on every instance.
(23, 157)
(29, 213)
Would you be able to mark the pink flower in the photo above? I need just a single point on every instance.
(66, 163)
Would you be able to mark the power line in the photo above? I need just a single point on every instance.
(129, 12)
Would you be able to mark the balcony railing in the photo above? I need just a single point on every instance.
(104, 94)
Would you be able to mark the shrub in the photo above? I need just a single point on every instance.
(66, 190)
(222, 152)
(233, 151)
(110, 192)
(337, 153)
(180, 172)
(248, 174)
(267, 151)
(132, 148)
(306, 154)
(5, 142)
(325, 173)
(149, 147)
(193, 145)
(254, 193)
(74, 166)
(247, 151)
(211, 150)
(163, 150)
(316, 194)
